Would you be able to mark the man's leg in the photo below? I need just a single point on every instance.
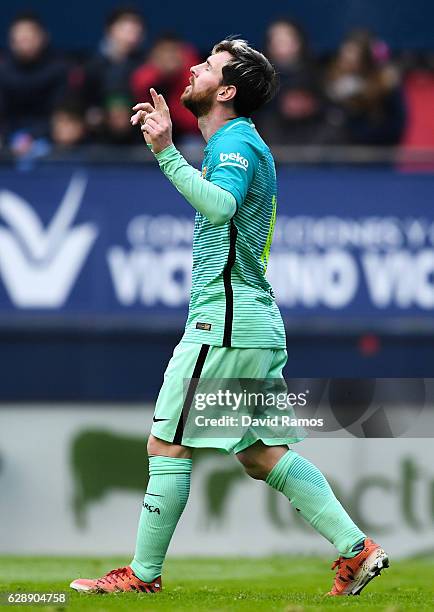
(164, 502)
(169, 482)
(309, 492)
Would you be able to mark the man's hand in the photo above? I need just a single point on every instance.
(155, 122)
(143, 109)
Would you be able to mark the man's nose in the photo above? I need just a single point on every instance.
(193, 71)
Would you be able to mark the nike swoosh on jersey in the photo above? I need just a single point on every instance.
(156, 420)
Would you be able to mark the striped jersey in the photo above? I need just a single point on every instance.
(232, 303)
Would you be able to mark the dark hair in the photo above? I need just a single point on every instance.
(125, 10)
(365, 42)
(27, 16)
(70, 106)
(250, 72)
(168, 36)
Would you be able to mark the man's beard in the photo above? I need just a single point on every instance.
(199, 105)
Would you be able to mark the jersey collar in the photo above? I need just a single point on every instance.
(225, 128)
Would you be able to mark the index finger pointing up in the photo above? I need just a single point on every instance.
(155, 99)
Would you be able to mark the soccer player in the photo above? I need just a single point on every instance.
(234, 328)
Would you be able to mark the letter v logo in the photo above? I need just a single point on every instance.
(40, 265)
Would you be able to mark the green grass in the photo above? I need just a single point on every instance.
(285, 584)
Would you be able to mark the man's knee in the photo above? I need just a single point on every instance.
(252, 466)
(258, 460)
(161, 448)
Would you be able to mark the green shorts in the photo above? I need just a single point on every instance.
(192, 362)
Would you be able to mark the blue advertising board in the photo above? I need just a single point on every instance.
(115, 242)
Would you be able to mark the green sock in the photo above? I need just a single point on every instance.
(309, 492)
(165, 499)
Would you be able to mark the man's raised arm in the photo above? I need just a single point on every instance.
(215, 203)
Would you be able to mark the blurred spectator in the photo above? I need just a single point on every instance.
(118, 130)
(286, 45)
(32, 81)
(168, 70)
(296, 115)
(366, 90)
(68, 127)
(109, 71)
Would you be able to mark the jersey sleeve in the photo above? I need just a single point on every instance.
(234, 162)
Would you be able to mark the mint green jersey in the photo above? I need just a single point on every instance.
(232, 304)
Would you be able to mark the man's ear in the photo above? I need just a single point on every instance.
(226, 93)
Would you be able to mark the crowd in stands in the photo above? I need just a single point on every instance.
(354, 97)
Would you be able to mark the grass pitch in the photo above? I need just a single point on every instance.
(282, 584)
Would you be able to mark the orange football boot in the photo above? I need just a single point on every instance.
(118, 580)
(353, 575)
